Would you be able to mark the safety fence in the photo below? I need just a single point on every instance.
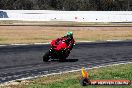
(77, 16)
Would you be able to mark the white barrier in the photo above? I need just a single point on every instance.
(78, 16)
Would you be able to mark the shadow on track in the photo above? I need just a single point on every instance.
(70, 60)
(67, 60)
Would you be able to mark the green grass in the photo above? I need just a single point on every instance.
(3, 39)
(115, 72)
(72, 80)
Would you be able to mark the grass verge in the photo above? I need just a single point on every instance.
(71, 80)
(63, 23)
(42, 34)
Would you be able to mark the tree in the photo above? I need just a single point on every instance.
(70, 5)
(44, 4)
(76, 5)
(57, 4)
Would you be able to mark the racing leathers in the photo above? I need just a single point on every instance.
(58, 44)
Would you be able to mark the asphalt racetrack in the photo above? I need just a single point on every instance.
(26, 60)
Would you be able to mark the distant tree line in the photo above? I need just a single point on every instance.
(67, 5)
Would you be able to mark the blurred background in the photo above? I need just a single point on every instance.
(67, 5)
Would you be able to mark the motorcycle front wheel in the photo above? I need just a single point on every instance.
(46, 57)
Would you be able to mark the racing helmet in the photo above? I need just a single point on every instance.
(69, 33)
(69, 36)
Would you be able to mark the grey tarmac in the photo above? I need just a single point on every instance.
(26, 60)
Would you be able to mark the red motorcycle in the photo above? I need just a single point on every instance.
(58, 51)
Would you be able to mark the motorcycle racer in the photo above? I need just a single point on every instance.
(68, 39)
(60, 48)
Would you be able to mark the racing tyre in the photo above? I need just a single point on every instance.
(46, 57)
